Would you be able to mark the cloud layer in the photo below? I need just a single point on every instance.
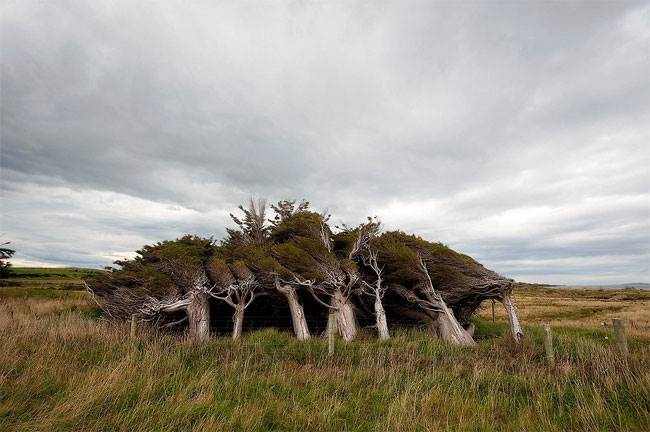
(517, 133)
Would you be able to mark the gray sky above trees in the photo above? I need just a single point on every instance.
(517, 133)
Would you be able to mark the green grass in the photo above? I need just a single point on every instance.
(40, 272)
(63, 369)
(28, 281)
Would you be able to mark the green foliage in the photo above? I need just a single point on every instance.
(299, 248)
(191, 249)
(219, 272)
(161, 270)
(347, 238)
(448, 269)
(303, 224)
(287, 208)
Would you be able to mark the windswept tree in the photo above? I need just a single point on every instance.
(376, 289)
(410, 277)
(357, 245)
(305, 247)
(253, 228)
(5, 255)
(193, 302)
(161, 281)
(252, 244)
(448, 326)
(460, 282)
(236, 285)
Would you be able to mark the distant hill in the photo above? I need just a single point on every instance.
(640, 285)
(636, 285)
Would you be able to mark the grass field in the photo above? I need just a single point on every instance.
(583, 307)
(64, 369)
(27, 282)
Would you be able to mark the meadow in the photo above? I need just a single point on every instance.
(65, 368)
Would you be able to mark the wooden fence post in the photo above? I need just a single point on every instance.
(619, 335)
(548, 345)
(134, 325)
(331, 330)
(493, 318)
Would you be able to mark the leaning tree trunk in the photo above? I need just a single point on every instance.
(198, 316)
(345, 319)
(238, 319)
(297, 312)
(450, 330)
(511, 310)
(380, 314)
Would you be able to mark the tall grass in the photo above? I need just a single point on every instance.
(61, 369)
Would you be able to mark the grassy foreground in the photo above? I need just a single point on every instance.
(64, 369)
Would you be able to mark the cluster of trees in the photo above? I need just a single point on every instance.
(295, 257)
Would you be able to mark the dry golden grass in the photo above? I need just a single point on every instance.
(584, 308)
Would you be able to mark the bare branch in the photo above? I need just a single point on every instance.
(325, 232)
(175, 323)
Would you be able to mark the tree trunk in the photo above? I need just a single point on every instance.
(239, 322)
(511, 310)
(345, 319)
(297, 312)
(380, 315)
(331, 332)
(450, 330)
(198, 316)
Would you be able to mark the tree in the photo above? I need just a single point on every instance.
(459, 281)
(162, 280)
(194, 302)
(252, 244)
(287, 208)
(305, 247)
(237, 286)
(5, 255)
(357, 244)
(448, 326)
(252, 226)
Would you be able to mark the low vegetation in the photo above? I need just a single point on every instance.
(65, 368)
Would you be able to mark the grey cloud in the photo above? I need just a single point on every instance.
(471, 115)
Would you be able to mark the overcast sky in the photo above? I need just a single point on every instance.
(516, 132)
